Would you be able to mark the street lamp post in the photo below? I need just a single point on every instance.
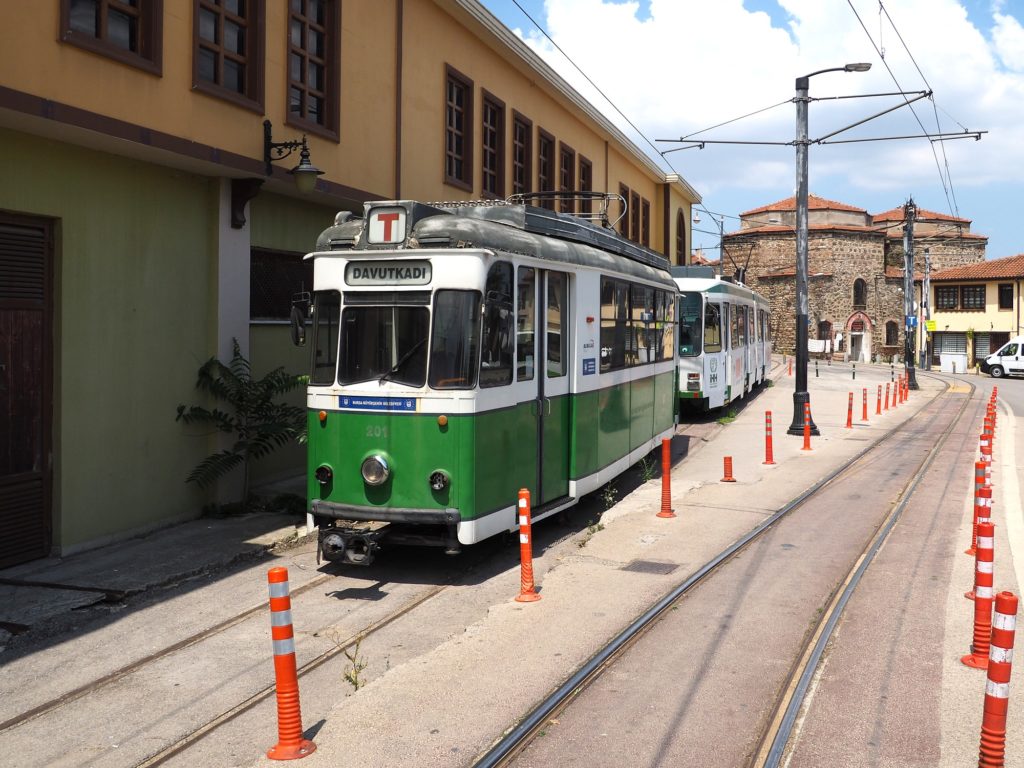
(800, 395)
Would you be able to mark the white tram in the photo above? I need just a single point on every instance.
(724, 344)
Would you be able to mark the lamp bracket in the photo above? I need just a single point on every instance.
(278, 150)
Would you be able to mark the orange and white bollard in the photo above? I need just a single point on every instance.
(849, 411)
(978, 657)
(992, 753)
(727, 470)
(769, 454)
(666, 478)
(886, 395)
(986, 457)
(290, 744)
(791, 366)
(878, 402)
(983, 514)
(864, 404)
(527, 590)
(979, 483)
(895, 395)
(807, 427)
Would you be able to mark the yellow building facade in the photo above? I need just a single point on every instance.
(142, 229)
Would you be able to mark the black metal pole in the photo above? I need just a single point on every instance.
(909, 337)
(800, 394)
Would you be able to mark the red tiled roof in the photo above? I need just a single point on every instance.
(896, 214)
(779, 229)
(813, 203)
(1009, 267)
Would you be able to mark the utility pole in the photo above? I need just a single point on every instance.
(909, 318)
(926, 292)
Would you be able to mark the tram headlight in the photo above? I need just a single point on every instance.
(439, 480)
(323, 474)
(375, 470)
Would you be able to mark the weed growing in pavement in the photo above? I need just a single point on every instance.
(609, 495)
(728, 418)
(357, 665)
(770, 383)
(593, 528)
(646, 465)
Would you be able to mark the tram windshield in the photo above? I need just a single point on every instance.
(690, 334)
(388, 343)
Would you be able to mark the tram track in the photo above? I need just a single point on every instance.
(517, 739)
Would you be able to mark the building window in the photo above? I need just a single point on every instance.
(972, 297)
(567, 177)
(645, 222)
(634, 216)
(860, 294)
(546, 167)
(227, 56)
(313, 55)
(681, 251)
(892, 333)
(130, 31)
(275, 278)
(946, 297)
(492, 151)
(586, 185)
(624, 218)
(522, 154)
(458, 149)
(1006, 295)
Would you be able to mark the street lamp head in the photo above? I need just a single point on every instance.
(696, 217)
(858, 67)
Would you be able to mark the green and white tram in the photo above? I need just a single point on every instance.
(725, 344)
(463, 351)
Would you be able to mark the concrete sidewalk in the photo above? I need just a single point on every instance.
(447, 706)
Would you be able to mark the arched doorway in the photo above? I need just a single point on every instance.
(858, 329)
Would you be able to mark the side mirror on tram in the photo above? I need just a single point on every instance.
(298, 327)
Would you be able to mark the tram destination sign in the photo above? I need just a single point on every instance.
(387, 273)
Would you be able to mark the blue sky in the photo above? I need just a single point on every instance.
(732, 57)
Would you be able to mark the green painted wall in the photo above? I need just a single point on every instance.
(133, 323)
(287, 223)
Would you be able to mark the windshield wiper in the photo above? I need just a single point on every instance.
(401, 361)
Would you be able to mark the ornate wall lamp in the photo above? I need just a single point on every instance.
(305, 172)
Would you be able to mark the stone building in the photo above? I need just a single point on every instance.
(855, 269)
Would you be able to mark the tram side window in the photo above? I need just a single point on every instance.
(326, 310)
(498, 328)
(558, 337)
(712, 327)
(454, 339)
(689, 324)
(667, 316)
(614, 323)
(525, 333)
(641, 324)
(735, 332)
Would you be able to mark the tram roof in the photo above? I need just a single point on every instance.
(716, 285)
(507, 227)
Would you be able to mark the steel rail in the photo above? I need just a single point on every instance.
(781, 729)
(514, 740)
(117, 674)
(211, 725)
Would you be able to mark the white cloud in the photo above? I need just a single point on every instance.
(695, 63)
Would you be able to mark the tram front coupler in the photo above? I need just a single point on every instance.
(352, 546)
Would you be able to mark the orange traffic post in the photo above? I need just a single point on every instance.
(983, 514)
(864, 406)
(878, 402)
(849, 411)
(727, 470)
(791, 366)
(807, 427)
(527, 591)
(769, 455)
(666, 478)
(979, 483)
(986, 456)
(895, 387)
(886, 395)
(978, 657)
(992, 753)
(290, 744)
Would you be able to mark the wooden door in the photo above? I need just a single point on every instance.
(26, 352)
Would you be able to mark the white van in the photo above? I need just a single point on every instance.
(1008, 360)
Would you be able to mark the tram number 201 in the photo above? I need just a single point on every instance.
(376, 431)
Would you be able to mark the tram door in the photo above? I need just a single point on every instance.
(542, 336)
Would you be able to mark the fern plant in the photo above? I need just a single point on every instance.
(258, 421)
